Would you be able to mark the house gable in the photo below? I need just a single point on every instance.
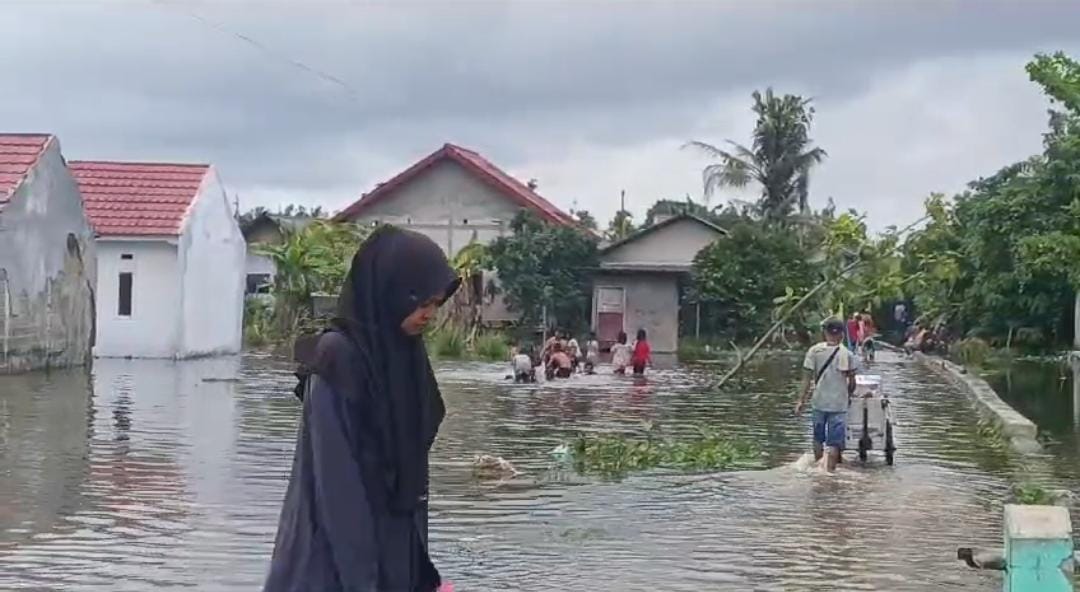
(453, 190)
(18, 154)
(670, 245)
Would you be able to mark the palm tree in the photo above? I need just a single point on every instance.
(779, 161)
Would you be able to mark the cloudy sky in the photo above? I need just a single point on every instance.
(316, 101)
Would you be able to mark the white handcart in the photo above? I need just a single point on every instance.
(870, 419)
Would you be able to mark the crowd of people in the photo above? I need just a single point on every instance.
(562, 356)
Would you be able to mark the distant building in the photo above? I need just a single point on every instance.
(638, 282)
(266, 229)
(454, 196)
(170, 259)
(47, 265)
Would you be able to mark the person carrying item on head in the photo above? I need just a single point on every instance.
(642, 353)
(828, 383)
(621, 354)
(356, 507)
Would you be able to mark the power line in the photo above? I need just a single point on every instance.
(262, 47)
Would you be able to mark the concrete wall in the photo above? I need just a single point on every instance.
(448, 204)
(212, 256)
(47, 271)
(675, 244)
(153, 329)
(1076, 323)
(652, 303)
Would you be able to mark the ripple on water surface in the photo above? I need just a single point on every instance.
(158, 475)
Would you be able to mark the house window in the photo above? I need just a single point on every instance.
(124, 300)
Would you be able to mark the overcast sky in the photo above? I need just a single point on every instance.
(317, 101)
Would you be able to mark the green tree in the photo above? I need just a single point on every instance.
(780, 158)
(621, 225)
(543, 266)
(586, 219)
(674, 207)
(740, 277)
(1001, 260)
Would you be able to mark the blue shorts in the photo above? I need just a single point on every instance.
(829, 428)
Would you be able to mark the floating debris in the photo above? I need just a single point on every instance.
(486, 466)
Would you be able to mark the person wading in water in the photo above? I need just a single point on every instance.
(355, 512)
(830, 378)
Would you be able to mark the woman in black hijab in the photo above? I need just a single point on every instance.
(355, 512)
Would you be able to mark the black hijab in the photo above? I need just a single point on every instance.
(392, 274)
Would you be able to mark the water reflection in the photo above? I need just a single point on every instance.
(170, 474)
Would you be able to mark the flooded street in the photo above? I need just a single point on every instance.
(161, 475)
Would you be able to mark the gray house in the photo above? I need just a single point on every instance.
(637, 284)
(47, 259)
(455, 196)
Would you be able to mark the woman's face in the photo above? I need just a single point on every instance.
(415, 323)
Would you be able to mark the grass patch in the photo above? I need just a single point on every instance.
(446, 342)
(615, 455)
(491, 346)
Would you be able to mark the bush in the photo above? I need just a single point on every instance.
(491, 346)
(971, 351)
(693, 349)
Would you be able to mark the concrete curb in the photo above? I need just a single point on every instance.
(1017, 429)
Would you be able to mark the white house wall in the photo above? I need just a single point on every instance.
(675, 244)
(652, 303)
(448, 204)
(212, 265)
(153, 329)
(47, 270)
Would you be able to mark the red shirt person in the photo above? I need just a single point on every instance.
(642, 353)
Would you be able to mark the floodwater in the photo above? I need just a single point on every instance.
(1048, 393)
(162, 476)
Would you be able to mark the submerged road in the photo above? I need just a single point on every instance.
(159, 475)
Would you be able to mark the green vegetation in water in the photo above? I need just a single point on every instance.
(258, 323)
(1032, 494)
(616, 455)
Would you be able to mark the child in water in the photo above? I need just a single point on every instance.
(642, 353)
(620, 354)
(592, 354)
(523, 366)
(559, 366)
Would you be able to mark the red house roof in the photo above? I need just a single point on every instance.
(474, 163)
(18, 152)
(137, 199)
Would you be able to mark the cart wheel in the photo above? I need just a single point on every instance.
(890, 448)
